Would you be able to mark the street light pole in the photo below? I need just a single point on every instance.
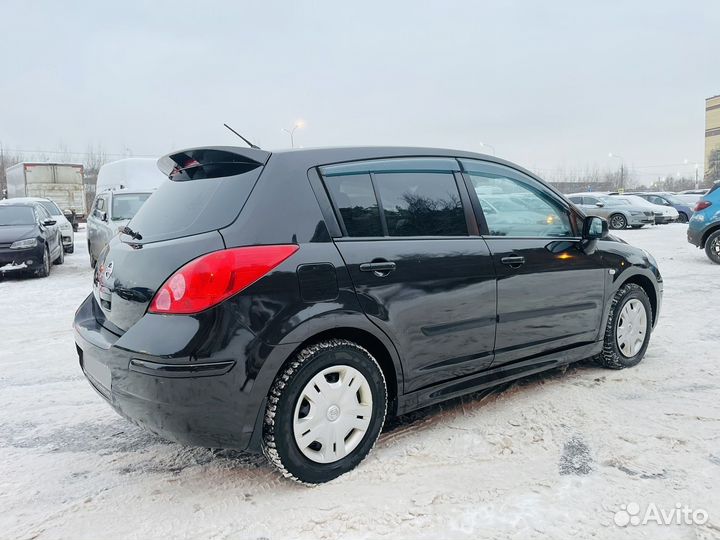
(621, 186)
(291, 132)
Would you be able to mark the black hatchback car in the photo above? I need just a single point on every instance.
(289, 301)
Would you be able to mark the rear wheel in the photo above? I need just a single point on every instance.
(325, 411)
(628, 329)
(682, 217)
(617, 221)
(712, 247)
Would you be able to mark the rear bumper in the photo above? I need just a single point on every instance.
(694, 236)
(209, 401)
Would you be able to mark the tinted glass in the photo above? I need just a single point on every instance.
(193, 206)
(421, 204)
(126, 206)
(354, 198)
(16, 215)
(513, 208)
(576, 200)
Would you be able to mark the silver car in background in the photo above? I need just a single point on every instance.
(620, 212)
(111, 210)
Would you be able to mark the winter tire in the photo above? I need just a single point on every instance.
(712, 247)
(682, 217)
(617, 221)
(325, 411)
(44, 270)
(628, 329)
(61, 258)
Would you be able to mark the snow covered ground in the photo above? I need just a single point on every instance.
(553, 456)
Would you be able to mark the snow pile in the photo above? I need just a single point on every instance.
(553, 456)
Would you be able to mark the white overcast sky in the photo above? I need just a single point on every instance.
(548, 84)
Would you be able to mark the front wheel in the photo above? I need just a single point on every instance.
(712, 247)
(628, 329)
(617, 221)
(325, 411)
(682, 217)
(60, 258)
(44, 270)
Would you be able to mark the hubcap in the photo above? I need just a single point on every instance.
(631, 328)
(332, 414)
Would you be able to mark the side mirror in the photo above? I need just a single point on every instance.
(599, 204)
(103, 216)
(48, 222)
(594, 228)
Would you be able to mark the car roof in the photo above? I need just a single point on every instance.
(30, 199)
(127, 191)
(18, 202)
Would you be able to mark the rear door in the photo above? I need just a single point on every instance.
(421, 271)
(550, 294)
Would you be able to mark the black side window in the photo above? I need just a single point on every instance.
(576, 200)
(354, 198)
(421, 203)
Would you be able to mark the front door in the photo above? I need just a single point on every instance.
(550, 293)
(422, 273)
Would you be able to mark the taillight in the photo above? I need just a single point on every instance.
(212, 278)
(701, 205)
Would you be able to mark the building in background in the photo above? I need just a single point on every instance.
(712, 137)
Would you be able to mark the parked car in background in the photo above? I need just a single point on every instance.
(110, 211)
(685, 211)
(290, 301)
(62, 183)
(704, 227)
(29, 238)
(122, 187)
(663, 214)
(692, 196)
(66, 228)
(619, 212)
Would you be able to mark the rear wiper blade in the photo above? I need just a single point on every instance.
(132, 234)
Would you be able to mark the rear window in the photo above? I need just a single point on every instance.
(195, 203)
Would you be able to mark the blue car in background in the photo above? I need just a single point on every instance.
(685, 211)
(704, 227)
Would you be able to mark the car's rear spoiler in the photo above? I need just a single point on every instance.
(181, 160)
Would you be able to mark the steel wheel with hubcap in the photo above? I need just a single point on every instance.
(628, 329)
(333, 414)
(631, 326)
(325, 411)
(618, 221)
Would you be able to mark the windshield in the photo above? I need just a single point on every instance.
(51, 207)
(126, 206)
(16, 215)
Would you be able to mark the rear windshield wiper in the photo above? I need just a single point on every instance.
(132, 234)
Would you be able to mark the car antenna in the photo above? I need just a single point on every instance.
(251, 145)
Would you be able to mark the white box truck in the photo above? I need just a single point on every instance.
(59, 182)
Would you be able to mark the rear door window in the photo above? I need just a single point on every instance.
(421, 204)
(401, 197)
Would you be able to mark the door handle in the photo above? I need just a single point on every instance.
(379, 268)
(514, 261)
